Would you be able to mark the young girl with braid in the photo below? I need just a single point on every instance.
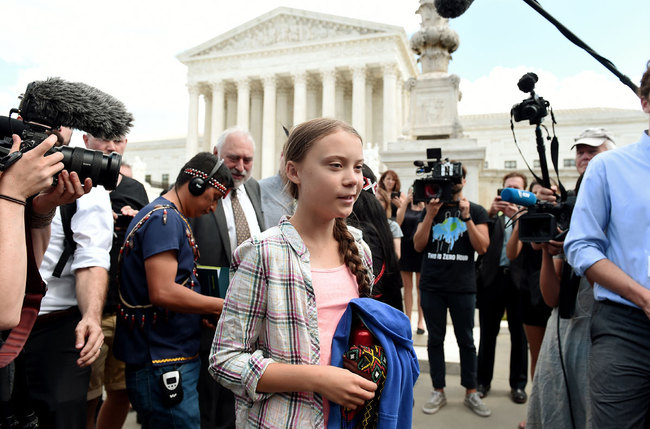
(289, 287)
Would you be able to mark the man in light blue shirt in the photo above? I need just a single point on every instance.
(609, 242)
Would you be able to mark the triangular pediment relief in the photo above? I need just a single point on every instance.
(284, 27)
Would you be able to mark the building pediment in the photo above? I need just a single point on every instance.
(283, 28)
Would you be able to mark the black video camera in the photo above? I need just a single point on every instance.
(546, 221)
(532, 109)
(102, 169)
(444, 175)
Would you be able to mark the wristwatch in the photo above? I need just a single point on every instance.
(466, 219)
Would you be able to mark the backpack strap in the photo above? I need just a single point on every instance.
(69, 245)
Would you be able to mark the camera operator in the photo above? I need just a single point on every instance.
(449, 234)
(31, 174)
(498, 292)
(608, 242)
(67, 335)
(566, 341)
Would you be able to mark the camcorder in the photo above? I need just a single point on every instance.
(441, 176)
(102, 169)
(543, 221)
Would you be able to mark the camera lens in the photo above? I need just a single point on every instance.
(102, 169)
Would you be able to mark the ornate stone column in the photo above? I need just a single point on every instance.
(268, 127)
(390, 104)
(329, 93)
(243, 103)
(207, 123)
(435, 41)
(192, 144)
(359, 100)
(217, 120)
(299, 98)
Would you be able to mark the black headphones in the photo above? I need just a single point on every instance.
(198, 185)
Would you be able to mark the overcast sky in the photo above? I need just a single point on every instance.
(128, 48)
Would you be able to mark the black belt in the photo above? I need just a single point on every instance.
(55, 316)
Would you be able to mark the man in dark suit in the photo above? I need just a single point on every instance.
(238, 217)
(496, 293)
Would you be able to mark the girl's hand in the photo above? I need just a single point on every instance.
(344, 387)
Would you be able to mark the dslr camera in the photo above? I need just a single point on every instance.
(102, 169)
(534, 108)
(440, 177)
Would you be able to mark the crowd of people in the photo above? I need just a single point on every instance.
(227, 302)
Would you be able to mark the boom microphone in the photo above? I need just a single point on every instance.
(519, 197)
(452, 8)
(55, 102)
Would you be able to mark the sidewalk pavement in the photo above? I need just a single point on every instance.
(455, 415)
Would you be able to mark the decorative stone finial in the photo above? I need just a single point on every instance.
(435, 41)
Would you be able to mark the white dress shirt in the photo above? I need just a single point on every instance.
(92, 230)
(249, 212)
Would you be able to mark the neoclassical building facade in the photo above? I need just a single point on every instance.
(291, 65)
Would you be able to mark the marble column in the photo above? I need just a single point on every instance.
(243, 103)
(369, 137)
(218, 112)
(359, 100)
(231, 109)
(390, 104)
(192, 144)
(207, 124)
(268, 128)
(329, 93)
(299, 98)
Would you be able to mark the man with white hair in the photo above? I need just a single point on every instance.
(590, 143)
(217, 234)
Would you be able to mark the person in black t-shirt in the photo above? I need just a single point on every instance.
(448, 235)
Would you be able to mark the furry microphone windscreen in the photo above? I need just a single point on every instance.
(55, 102)
(452, 8)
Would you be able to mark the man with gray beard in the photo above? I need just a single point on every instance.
(217, 234)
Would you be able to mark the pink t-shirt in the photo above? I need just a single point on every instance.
(334, 288)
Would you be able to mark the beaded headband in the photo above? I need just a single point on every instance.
(369, 185)
(212, 181)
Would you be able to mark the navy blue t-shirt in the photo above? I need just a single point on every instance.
(164, 337)
(448, 258)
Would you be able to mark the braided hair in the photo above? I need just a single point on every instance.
(301, 139)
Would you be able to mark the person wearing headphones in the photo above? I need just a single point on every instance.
(158, 327)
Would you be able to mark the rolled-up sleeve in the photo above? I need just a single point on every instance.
(587, 241)
(92, 229)
(235, 360)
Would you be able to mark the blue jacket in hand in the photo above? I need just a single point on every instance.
(392, 329)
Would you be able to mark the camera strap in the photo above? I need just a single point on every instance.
(69, 245)
(34, 292)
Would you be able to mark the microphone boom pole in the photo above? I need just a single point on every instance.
(576, 41)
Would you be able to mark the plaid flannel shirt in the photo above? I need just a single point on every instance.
(269, 315)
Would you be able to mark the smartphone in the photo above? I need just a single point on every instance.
(394, 195)
(123, 221)
(499, 191)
